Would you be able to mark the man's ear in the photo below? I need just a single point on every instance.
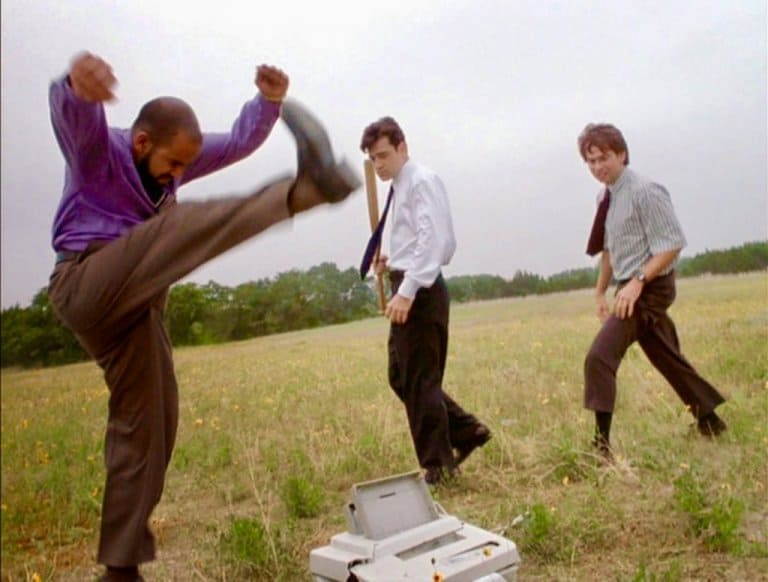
(402, 148)
(141, 143)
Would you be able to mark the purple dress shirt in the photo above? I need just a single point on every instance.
(103, 196)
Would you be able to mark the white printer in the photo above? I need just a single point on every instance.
(397, 532)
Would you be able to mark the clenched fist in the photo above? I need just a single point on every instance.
(91, 78)
(271, 82)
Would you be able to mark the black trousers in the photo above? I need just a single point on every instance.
(417, 356)
(653, 329)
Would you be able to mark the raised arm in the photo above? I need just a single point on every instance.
(251, 128)
(77, 113)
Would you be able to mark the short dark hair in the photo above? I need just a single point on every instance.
(164, 117)
(603, 136)
(384, 127)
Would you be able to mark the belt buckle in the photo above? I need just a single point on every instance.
(62, 256)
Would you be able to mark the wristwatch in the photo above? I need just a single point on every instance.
(640, 276)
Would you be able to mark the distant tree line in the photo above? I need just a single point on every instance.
(748, 257)
(323, 295)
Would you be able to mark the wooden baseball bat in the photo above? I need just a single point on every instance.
(373, 216)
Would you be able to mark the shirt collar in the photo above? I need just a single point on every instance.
(404, 175)
(617, 185)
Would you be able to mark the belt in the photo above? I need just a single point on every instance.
(625, 281)
(396, 275)
(93, 246)
(62, 256)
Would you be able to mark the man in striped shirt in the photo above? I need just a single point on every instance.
(640, 241)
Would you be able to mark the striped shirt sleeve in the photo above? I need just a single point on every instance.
(662, 229)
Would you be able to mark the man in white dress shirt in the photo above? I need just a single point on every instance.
(422, 241)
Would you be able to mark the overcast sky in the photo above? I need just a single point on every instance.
(491, 95)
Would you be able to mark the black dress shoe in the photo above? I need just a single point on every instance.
(124, 574)
(603, 448)
(480, 436)
(711, 425)
(439, 475)
(334, 181)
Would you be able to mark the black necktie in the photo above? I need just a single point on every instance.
(597, 236)
(375, 240)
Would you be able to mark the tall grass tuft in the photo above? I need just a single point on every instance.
(715, 519)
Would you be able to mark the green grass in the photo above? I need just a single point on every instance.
(275, 431)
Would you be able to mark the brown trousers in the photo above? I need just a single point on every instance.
(653, 329)
(113, 298)
(417, 355)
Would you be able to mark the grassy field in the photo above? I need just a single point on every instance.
(275, 431)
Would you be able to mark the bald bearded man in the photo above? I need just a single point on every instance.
(121, 240)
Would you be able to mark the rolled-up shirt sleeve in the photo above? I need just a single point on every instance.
(662, 228)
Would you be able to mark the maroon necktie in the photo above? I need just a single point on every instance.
(597, 236)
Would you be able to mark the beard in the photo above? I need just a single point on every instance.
(154, 188)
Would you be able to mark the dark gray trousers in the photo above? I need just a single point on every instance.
(653, 329)
(113, 298)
